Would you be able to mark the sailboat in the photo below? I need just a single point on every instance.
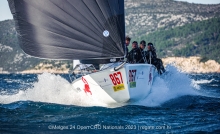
(92, 31)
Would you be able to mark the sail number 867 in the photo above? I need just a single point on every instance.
(116, 78)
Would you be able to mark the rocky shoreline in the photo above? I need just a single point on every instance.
(193, 64)
(187, 65)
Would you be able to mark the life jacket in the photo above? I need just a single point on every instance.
(142, 58)
(134, 55)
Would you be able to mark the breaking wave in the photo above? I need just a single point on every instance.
(51, 88)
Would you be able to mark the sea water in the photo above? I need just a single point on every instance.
(46, 103)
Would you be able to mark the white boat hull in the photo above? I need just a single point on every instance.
(130, 83)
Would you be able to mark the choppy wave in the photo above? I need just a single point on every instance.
(171, 85)
(203, 81)
(51, 88)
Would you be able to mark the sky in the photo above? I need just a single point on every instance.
(5, 13)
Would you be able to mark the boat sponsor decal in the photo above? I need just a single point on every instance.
(150, 76)
(106, 33)
(77, 89)
(140, 75)
(132, 78)
(117, 81)
(86, 86)
(104, 82)
(119, 87)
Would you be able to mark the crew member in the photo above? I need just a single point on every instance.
(142, 52)
(151, 57)
(127, 42)
(134, 54)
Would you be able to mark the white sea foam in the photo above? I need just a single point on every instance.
(171, 85)
(196, 83)
(52, 88)
(202, 81)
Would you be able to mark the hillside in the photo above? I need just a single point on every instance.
(146, 16)
(193, 64)
(176, 28)
(13, 59)
(201, 38)
(184, 29)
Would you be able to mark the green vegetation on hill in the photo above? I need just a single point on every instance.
(176, 28)
(146, 16)
(201, 38)
(13, 59)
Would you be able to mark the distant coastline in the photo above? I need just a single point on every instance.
(187, 65)
(193, 64)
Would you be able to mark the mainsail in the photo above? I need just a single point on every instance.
(70, 29)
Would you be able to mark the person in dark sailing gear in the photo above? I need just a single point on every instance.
(134, 55)
(142, 57)
(134, 45)
(151, 57)
(127, 42)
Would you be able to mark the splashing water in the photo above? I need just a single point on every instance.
(52, 88)
(171, 85)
